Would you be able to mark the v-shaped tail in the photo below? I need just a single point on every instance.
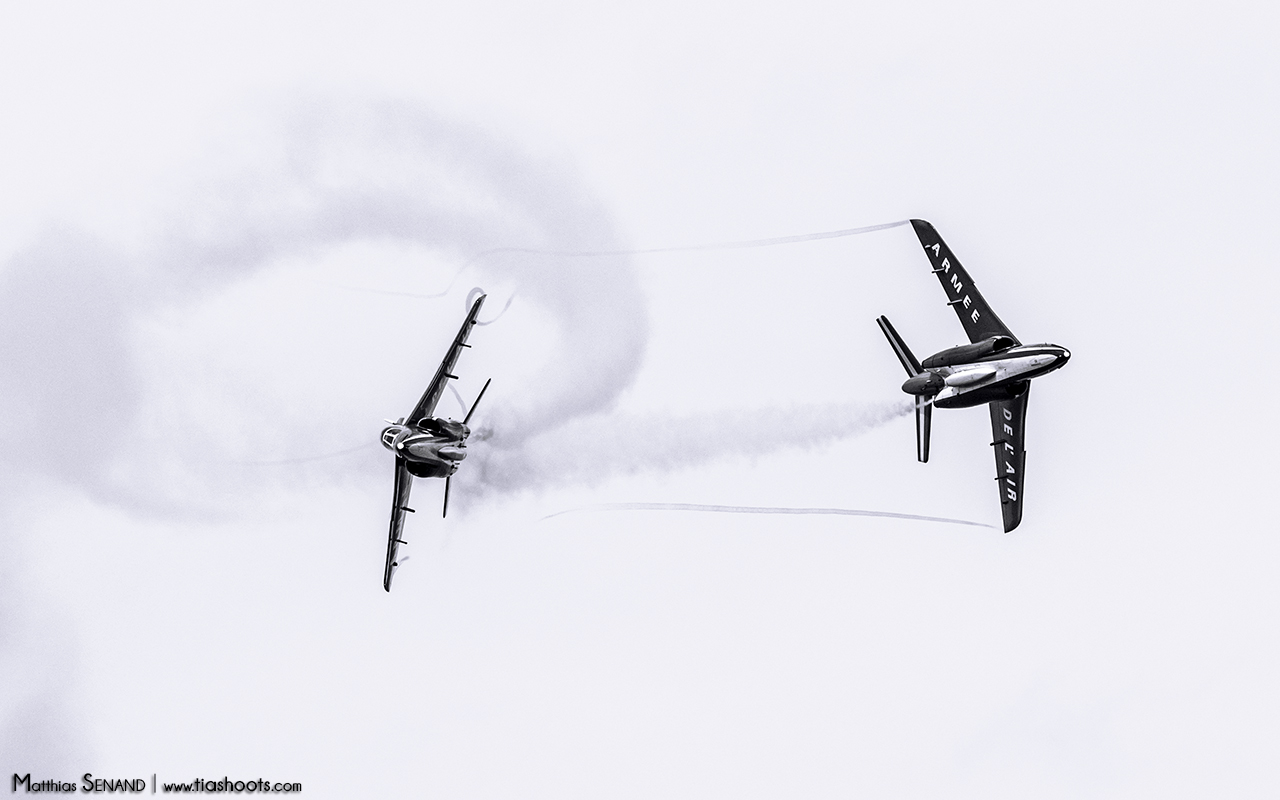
(923, 388)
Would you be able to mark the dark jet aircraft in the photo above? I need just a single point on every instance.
(993, 368)
(425, 445)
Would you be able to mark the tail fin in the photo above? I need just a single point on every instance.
(467, 418)
(924, 415)
(900, 348)
(924, 405)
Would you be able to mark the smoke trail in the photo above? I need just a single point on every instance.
(309, 459)
(462, 404)
(393, 171)
(738, 245)
(846, 512)
(331, 173)
(735, 245)
(587, 450)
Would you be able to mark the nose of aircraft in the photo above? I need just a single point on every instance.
(1061, 356)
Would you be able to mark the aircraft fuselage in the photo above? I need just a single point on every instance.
(996, 376)
(432, 450)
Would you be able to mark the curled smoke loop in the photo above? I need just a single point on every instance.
(327, 174)
(477, 291)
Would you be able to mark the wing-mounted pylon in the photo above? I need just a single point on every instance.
(923, 397)
(979, 321)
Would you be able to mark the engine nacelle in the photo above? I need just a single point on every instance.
(452, 452)
(968, 377)
(924, 383)
(968, 353)
(431, 469)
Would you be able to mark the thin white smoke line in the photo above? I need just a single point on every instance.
(846, 512)
(738, 245)
(301, 460)
(458, 396)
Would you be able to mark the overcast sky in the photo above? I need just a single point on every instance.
(233, 240)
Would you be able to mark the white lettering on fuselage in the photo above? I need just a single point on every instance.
(935, 249)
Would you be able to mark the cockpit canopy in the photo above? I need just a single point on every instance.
(392, 435)
(445, 427)
(968, 353)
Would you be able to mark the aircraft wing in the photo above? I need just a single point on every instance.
(404, 482)
(979, 321)
(1008, 419)
(426, 407)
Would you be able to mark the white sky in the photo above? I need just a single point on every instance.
(180, 294)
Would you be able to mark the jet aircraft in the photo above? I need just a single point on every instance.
(425, 445)
(994, 368)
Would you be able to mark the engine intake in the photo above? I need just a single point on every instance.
(924, 383)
